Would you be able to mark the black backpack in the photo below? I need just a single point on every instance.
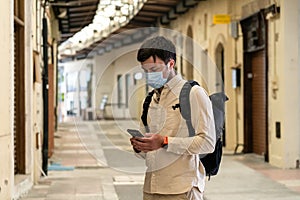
(211, 161)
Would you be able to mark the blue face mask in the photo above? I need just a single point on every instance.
(155, 79)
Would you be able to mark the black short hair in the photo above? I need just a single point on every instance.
(158, 46)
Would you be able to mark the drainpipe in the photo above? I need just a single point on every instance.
(45, 97)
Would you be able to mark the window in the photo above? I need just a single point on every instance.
(120, 91)
(84, 78)
(127, 77)
(72, 81)
(205, 26)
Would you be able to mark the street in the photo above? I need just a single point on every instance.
(94, 160)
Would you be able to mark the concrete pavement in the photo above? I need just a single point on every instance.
(247, 177)
(94, 160)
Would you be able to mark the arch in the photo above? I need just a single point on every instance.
(220, 40)
(187, 70)
(219, 59)
(219, 49)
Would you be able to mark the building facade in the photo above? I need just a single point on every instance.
(22, 104)
(254, 46)
(261, 43)
(76, 89)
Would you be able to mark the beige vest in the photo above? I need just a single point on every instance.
(177, 169)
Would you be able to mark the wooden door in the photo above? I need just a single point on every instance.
(19, 89)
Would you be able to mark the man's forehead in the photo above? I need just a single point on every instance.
(151, 65)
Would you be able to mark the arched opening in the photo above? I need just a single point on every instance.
(187, 71)
(220, 78)
(220, 68)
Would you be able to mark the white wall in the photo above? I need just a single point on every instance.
(108, 66)
(275, 94)
(29, 88)
(290, 69)
(6, 105)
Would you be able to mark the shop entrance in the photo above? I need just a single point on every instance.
(255, 85)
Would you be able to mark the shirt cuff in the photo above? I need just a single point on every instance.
(179, 145)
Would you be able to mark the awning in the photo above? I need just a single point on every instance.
(74, 15)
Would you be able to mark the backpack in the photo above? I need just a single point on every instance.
(211, 161)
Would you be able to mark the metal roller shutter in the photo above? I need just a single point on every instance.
(259, 103)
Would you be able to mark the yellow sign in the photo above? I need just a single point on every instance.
(221, 19)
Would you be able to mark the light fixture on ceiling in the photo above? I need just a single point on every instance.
(110, 16)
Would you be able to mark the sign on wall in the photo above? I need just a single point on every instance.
(221, 19)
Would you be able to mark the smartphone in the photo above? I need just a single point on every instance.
(135, 133)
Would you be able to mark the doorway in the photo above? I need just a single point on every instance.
(220, 78)
(19, 89)
(255, 74)
(220, 68)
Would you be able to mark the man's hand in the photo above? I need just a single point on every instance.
(150, 142)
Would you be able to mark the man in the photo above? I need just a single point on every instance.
(173, 167)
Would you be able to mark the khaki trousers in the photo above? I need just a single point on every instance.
(193, 194)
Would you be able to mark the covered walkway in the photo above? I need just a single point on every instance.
(93, 160)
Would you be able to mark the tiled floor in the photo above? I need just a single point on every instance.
(288, 177)
(245, 177)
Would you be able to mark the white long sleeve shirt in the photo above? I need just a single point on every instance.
(177, 169)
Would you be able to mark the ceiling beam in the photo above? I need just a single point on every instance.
(145, 19)
(156, 8)
(74, 3)
(83, 8)
(79, 19)
(81, 14)
(149, 13)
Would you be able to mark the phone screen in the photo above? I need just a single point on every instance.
(135, 133)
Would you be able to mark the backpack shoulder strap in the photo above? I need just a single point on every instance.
(185, 107)
(146, 104)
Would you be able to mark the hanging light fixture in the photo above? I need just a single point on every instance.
(110, 16)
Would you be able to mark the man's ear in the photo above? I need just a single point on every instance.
(171, 63)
